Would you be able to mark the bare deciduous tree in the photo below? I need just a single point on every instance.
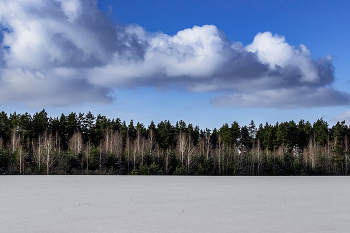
(112, 144)
(85, 156)
(45, 151)
(76, 143)
(151, 141)
(15, 146)
(181, 146)
(38, 151)
(346, 155)
(191, 151)
(208, 144)
(310, 155)
(117, 141)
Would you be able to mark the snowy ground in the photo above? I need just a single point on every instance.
(173, 204)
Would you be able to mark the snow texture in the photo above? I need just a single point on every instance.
(173, 204)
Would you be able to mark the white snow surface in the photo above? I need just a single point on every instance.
(173, 204)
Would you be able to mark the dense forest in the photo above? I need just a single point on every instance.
(88, 144)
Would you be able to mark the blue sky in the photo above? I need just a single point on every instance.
(58, 56)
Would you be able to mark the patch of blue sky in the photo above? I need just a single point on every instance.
(322, 26)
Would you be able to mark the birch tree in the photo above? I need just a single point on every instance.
(191, 149)
(181, 146)
(16, 148)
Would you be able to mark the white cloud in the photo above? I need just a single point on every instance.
(273, 50)
(344, 116)
(71, 8)
(55, 52)
(284, 98)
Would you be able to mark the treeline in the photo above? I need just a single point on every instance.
(88, 144)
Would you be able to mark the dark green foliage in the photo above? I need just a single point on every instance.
(231, 135)
(5, 127)
(39, 170)
(180, 170)
(40, 123)
(194, 133)
(5, 160)
(94, 158)
(287, 135)
(270, 167)
(305, 131)
(233, 168)
(214, 139)
(246, 140)
(100, 128)
(152, 169)
(71, 162)
(166, 135)
(267, 136)
(205, 166)
(113, 147)
(320, 129)
(71, 124)
(112, 164)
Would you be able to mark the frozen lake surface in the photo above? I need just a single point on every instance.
(174, 204)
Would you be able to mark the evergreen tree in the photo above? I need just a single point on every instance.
(320, 129)
(305, 131)
(245, 138)
(214, 137)
(252, 129)
(235, 132)
(132, 130)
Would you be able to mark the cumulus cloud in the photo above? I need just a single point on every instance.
(66, 52)
(344, 116)
(285, 98)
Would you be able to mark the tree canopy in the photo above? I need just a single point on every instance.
(87, 144)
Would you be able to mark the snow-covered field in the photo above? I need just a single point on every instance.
(174, 204)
